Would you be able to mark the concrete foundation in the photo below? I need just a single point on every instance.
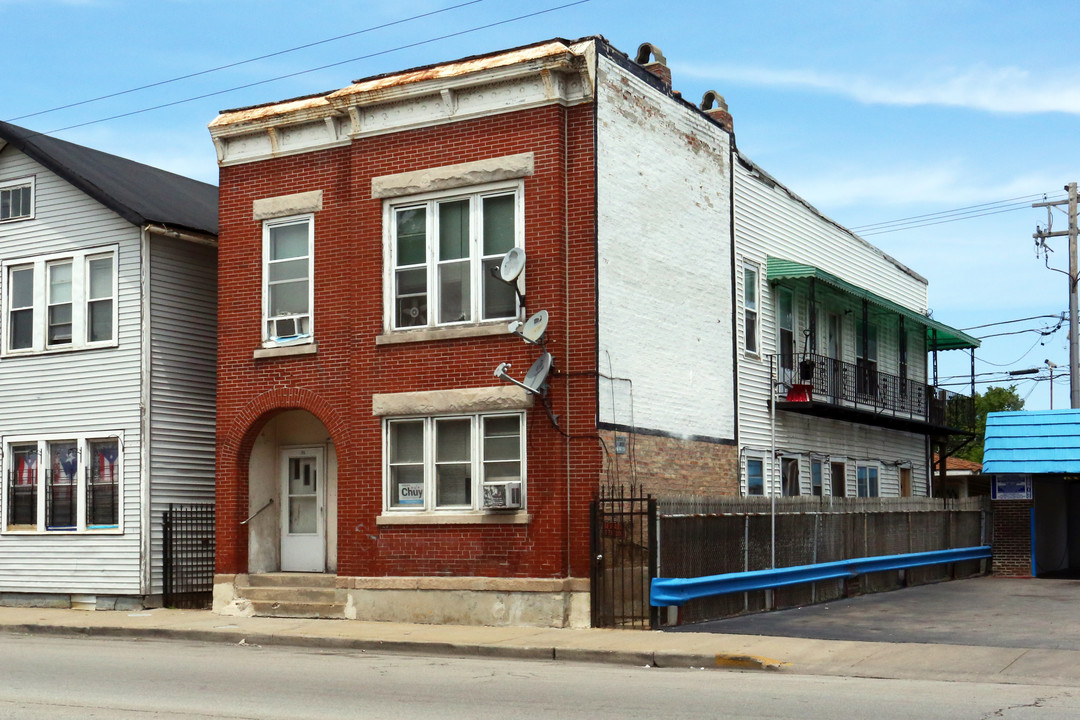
(521, 602)
(78, 601)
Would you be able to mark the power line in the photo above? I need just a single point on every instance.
(915, 225)
(1007, 322)
(316, 69)
(1024, 198)
(243, 62)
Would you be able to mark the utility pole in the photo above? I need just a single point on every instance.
(1074, 321)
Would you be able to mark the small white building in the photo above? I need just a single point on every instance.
(108, 315)
(835, 394)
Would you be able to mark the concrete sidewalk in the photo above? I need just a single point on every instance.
(632, 647)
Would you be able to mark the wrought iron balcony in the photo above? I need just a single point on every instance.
(820, 385)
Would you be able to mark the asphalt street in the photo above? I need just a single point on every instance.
(982, 611)
(127, 679)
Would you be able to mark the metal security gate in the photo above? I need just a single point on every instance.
(188, 537)
(622, 542)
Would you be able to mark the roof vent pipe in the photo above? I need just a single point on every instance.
(714, 105)
(657, 66)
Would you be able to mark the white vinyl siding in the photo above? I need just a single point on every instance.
(771, 222)
(183, 355)
(91, 394)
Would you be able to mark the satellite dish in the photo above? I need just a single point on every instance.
(534, 327)
(534, 379)
(537, 375)
(512, 265)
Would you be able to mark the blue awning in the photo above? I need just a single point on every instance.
(1032, 442)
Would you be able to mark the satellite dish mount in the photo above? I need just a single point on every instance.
(535, 381)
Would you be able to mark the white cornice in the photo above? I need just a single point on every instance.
(551, 74)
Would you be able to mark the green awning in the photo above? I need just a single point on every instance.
(947, 338)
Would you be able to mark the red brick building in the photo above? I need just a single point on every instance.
(362, 432)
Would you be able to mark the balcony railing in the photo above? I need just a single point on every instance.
(806, 377)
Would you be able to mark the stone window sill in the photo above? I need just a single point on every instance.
(286, 351)
(393, 337)
(463, 518)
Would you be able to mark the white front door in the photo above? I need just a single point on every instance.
(303, 511)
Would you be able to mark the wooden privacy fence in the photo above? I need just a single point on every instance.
(714, 536)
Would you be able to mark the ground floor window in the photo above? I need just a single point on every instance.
(67, 483)
(867, 476)
(789, 468)
(838, 477)
(454, 463)
(755, 476)
(815, 477)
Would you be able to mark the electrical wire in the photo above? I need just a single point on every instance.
(914, 226)
(316, 69)
(1026, 353)
(1024, 198)
(1007, 322)
(238, 63)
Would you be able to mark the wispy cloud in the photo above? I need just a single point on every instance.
(1005, 89)
(948, 185)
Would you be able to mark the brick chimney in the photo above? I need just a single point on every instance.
(657, 66)
(714, 105)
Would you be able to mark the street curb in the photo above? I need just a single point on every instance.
(641, 658)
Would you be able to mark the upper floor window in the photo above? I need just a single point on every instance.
(60, 302)
(288, 246)
(750, 308)
(785, 331)
(16, 199)
(866, 359)
(441, 250)
(62, 484)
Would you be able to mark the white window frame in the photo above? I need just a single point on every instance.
(476, 464)
(761, 462)
(16, 184)
(755, 337)
(868, 467)
(44, 461)
(80, 301)
(474, 194)
(270, 339)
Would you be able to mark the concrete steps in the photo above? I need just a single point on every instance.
(296, 595)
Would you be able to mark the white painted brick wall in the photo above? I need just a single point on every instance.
(664, 275)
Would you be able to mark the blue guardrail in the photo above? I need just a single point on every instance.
(676, 591)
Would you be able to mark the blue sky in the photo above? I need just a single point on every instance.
(871, 111)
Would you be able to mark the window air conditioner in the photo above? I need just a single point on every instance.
(502, 495)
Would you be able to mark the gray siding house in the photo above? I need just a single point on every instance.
(108, 311)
